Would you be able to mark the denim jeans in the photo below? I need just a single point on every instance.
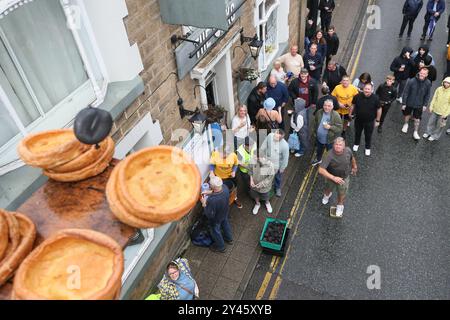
(278, 180)
(216, 234)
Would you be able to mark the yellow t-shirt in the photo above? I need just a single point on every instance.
(224, 167)
(345, 96)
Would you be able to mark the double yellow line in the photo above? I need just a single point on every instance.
(293, 214)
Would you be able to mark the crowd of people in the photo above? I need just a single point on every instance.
(311, 101)
(321, 104)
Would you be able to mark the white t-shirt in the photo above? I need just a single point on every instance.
(243, 132)
(292, 64)
(280, 74)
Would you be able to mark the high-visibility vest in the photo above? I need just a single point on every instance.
(246, 157)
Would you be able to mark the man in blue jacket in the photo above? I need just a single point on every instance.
(313, 62)
(435, 8)
(411, 10)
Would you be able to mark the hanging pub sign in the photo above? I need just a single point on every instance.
(189, 54)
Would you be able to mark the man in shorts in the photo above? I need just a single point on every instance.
(416, 97)
(344, 93)
(337, 167)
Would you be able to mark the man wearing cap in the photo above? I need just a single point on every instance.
(440, 110)
(216, 209)
(246, 155)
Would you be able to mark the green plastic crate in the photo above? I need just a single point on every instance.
(269, 245)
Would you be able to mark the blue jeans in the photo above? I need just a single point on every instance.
(278, 180)
(216, 234)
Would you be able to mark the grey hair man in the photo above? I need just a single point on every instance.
(327, 126)
(336, 168)
(216, 209)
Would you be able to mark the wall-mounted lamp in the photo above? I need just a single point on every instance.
(198, 119)
(254, 44)
(175, 39)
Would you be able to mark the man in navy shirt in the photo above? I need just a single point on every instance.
(435, 8)
(216, 209)
(313, 62)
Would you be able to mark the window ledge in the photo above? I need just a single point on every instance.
(121, 95)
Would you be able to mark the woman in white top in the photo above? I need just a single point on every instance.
(278, 72)
(363, 79)
(241, 126)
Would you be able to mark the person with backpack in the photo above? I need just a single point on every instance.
(411, 10)
(216, 209)
(299, 125)
(435, 9)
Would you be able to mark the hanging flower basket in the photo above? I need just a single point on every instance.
(248, 74)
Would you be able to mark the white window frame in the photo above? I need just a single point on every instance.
(62, 114)
(266, 59)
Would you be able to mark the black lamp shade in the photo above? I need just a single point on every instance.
(92, 125)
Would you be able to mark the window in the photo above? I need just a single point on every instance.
(266, 23)
(48, 72)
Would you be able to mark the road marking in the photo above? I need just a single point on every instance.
(293, 214)
(276, 260)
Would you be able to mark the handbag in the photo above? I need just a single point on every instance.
(294, 142)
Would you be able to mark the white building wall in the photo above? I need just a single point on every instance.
(121, 61)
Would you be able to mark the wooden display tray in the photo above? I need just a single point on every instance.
(82, 205)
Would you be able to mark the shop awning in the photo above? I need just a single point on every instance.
(199, 13)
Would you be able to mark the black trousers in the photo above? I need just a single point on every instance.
(385, 108)
(367, 127)
(407, 20)
(400, 85)
(325, 20)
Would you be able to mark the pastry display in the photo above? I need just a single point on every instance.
(63, 157)
(99, 161)
(24, 230)
(73, 264)
(154, 186)
(118, 209)
(50, 148)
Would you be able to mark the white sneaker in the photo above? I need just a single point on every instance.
(326, 199)
(355, 148)
(405, 128)
(269, 207)
(368, 152)
(298, 155)
(432, 139)
(256, 209)
(339, 211)
(426, 135)
(416, 135)
(400, 100)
